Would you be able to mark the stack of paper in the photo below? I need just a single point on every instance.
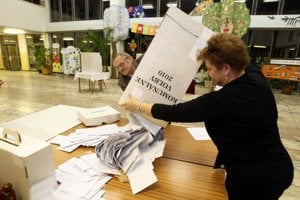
(88, 137)
(132, 152)
(79, 179)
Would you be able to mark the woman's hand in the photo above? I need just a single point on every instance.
(132, 104)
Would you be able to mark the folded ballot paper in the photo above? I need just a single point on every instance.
(132, 153)
(98, 116)
(80, 179)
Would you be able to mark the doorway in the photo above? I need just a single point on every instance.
(10, 53)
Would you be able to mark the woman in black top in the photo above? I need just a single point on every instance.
(241, 119)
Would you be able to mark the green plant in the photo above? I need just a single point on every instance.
(42, 57)
(97, 42)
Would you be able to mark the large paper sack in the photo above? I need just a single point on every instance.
(169, 65)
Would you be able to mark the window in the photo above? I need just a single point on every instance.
(56, 38)
(291, 7)
(286, 44)
(80, 10)
(165, 4)
(54, 6)
(68, 39)
(94, 9)
(66, 6)
(267, 7)
(132, 3)
(261, 42)
(150, 8)
(105, 4)
(188, 5)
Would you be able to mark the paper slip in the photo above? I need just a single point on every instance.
(199, 133)
(77, 183)
(99, 166)
(89, 137)
(142, 177)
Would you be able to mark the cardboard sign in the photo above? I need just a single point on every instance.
(169, 65)
(282, 72)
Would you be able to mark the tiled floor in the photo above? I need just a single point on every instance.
(27, 92)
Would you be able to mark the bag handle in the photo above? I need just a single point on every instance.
(9, 134)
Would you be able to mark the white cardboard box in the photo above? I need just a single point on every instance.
(24, 163)
(98, 116)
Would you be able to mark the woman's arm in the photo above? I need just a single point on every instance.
(196, 110)
(134, 105)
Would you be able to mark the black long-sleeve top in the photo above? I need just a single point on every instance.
(241, 119)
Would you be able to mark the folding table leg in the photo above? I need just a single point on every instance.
(79, 85)
(104, 84)
(100, 84)
(91, 85)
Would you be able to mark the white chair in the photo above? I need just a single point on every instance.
(91, 69)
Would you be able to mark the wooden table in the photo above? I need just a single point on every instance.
(182, 146)
(184, 172)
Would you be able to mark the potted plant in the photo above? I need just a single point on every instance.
(97, 42)
(42, 60)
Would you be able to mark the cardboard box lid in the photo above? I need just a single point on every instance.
(97, 116)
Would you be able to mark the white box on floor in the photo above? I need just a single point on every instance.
(98, 116)
(25, 162)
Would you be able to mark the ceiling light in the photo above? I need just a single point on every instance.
(13, 31)
(268, 1)
(172, 5)
(10, 41)
(148, 6)
(240, 1)
(260, 46)
(68, 38)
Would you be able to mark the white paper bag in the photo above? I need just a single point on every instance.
(169, 64)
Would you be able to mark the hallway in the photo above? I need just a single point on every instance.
(25, 92)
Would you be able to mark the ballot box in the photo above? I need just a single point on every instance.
(98, 116)
(25, 162)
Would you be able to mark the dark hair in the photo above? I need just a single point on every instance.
(224, 48)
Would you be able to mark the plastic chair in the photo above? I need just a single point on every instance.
(91, 69)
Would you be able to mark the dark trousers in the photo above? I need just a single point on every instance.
(266, 190)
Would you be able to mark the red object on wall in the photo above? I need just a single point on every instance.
(140, 29)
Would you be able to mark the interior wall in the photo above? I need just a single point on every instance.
(23, 52)
(24, 15)
(1, 59)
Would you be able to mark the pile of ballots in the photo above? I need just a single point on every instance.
(132, 153)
